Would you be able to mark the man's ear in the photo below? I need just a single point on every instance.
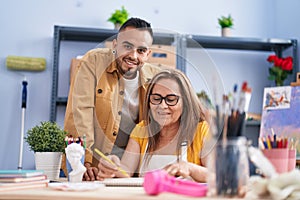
(149, 52)
(114, 44)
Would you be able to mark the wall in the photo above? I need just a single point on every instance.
(27, 30)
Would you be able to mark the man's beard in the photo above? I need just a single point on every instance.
(130, 73)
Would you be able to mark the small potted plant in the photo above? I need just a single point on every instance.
(47, 141)
(226, 24)
(119, 17)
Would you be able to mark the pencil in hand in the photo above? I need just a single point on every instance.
(111, 162)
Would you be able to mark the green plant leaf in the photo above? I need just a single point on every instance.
(225, 22)
(119, 16)
(46, 137)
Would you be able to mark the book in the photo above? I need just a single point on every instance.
(22, 179)
(23, 185)
(20, 173)
(125, 182)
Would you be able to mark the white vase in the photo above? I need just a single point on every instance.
(49, 162)
(226, 32)
(117, 26)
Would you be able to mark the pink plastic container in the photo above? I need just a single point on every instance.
(279, 158)
(292, 160)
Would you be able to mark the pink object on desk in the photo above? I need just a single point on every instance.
(159, 181)
(279, 158)
(292, 160)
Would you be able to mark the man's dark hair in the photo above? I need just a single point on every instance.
(137, 23)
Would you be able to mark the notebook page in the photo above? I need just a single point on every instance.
(126, 182)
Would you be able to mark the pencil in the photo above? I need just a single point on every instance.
(111, 162)
(269, 142)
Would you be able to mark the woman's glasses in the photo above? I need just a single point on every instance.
(170, 99)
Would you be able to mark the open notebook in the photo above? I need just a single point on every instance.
(126, 182)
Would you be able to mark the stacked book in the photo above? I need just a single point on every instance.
(22, 179)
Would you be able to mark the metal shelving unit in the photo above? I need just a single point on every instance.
(64, 33)
(80, 34)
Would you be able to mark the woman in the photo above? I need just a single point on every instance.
(172, 134)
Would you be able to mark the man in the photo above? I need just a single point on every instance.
(107, 93)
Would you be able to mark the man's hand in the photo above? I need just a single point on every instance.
(91, 172)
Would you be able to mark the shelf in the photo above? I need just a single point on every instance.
(99, 35)
(83, 34)
(256, 44)
(252, 123)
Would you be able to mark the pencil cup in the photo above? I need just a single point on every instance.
(292, 160)
(228, 168)
(279, 157)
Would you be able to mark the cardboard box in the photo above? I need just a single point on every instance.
(297, 83)
(161, 55)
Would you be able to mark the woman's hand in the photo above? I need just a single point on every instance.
(178, 169)
(107, 169)
(187, 169)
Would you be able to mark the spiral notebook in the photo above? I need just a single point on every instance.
(124, 182)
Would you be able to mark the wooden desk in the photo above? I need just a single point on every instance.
(106, 193)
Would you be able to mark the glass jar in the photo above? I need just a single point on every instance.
(228, 167)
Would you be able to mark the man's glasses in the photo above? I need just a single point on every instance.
(170, 99)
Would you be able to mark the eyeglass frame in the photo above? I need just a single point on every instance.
(165, 98)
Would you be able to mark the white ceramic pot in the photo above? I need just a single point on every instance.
(226, 32)
(49, 162)
(117, 26)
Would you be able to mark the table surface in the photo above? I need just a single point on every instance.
(107, 193)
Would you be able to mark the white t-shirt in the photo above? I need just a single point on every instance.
(130, 111)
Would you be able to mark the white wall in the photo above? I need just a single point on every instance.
(27, 30)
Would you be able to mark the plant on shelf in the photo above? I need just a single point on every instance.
(226, 24)
(46, 137)
(281, 68)
(119, 17)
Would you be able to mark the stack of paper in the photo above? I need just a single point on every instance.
(127, 182)
(22, 179)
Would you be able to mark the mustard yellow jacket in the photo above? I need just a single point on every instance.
(95, 100)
